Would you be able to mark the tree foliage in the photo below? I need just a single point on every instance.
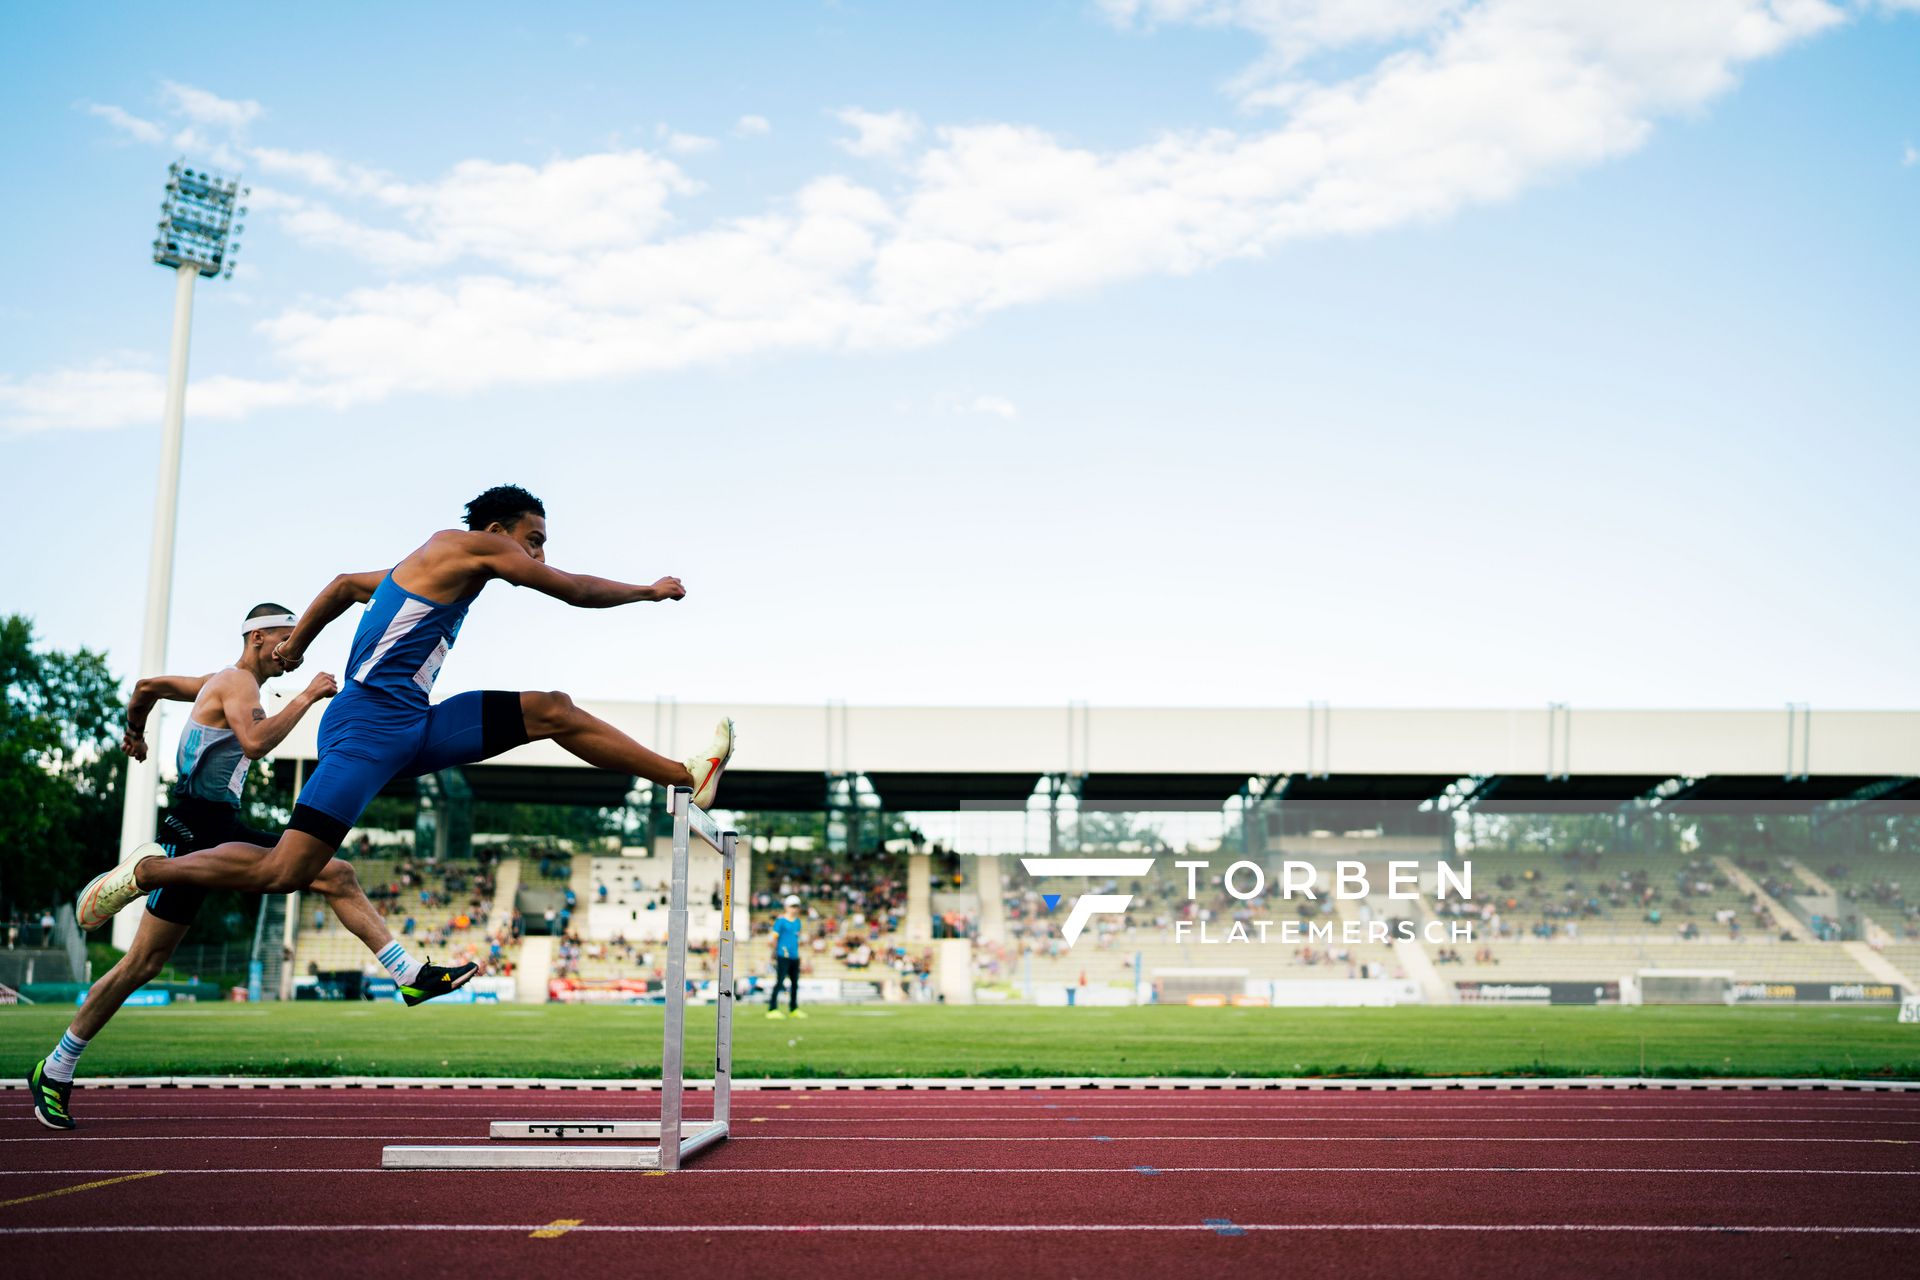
(61, 772)
(542, 822)
(1128, 832)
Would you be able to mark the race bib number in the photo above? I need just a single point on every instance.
(430, 669)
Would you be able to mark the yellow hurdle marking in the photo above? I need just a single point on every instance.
(654, 1173)
(557, 1228)
(85, 1186)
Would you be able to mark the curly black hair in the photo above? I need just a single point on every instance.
(267, 611)
(505, 503)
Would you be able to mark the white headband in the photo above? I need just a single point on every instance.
(266, 622)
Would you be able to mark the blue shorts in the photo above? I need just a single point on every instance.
(366, 741)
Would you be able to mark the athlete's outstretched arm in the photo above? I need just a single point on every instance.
(147, 692)
(257, 731)
(336, 598)
(507, 560)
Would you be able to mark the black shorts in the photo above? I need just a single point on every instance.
(189, 826)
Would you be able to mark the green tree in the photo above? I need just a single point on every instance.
(61, 770)
(1129, 832)
(543, 822)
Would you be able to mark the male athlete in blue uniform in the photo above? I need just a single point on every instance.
(226, 731)
(381, 726)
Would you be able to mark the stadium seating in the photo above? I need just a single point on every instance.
(449, 922)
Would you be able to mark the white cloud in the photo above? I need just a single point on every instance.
(992, 406)
(497, 273)
(1912, 154)
(202, 107)
(124, 388)
(685, 144)
(104, 393)
(202, 125)
(205, 150)
(131, 125)
(1494, 37)
(317, 169)
(752, 126)
(877, 134)
(538, 220)
(1293, 31)
(1295, 28)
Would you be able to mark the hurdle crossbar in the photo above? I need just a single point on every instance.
(675, 1139)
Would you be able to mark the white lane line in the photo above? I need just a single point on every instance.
(1037, 1102)
(1009, 1228)
(1026, 1087)
(64, 1140)
(1064, 1117)
(920, 1104)
(1156, 1137)
(843, 1170)
(116, 1111)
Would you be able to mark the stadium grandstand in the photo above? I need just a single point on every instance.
(1603, 846)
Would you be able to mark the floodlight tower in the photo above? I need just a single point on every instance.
(199, 229)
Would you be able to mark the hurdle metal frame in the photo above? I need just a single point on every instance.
(677, 1139)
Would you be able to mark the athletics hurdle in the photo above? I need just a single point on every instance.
(675, 1141)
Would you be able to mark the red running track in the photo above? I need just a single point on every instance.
(1088, 1183)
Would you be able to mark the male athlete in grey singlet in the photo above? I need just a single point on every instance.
(226, 731)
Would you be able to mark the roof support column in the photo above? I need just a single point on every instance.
(1059, 786)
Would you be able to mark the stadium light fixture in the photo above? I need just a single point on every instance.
(199, 235)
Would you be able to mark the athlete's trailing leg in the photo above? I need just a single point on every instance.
(287, 866)
(419, 980)
(51, 1080)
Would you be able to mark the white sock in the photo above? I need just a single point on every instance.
(395, 959)
(65, 1057)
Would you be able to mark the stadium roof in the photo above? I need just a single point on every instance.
(925, 792)
(932, 758)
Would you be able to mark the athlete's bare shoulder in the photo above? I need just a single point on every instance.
(210, 708)
(448, 565)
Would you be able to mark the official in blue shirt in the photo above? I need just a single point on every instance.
(786, 960)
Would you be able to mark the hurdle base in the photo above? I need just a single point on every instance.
(570, 1153)
(574, 1130)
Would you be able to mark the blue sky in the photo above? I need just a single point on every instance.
(1422, 352)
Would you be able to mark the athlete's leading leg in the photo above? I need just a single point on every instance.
(51, 1080)
(556, 716)
(472, 727)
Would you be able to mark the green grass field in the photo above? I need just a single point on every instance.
(623, 1042)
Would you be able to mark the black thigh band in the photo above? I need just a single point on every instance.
(503, 726)
(323, 827)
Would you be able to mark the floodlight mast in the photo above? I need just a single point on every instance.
(198, 236)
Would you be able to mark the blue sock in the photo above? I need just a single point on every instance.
(65, 1057)
(394, 959)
